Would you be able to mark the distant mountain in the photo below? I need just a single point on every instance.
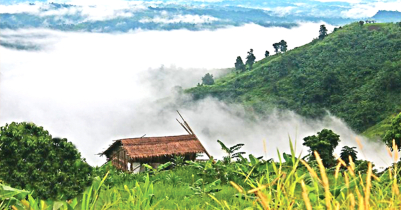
(353, 73)
(154, 15)
(384, 16)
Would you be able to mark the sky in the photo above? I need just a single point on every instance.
(92, 88)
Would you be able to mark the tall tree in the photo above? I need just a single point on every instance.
(239, 64)
(322, 32)
(347, 152)
(361, 23)
(267, 53)
(276, 47)
(250, 59)
(283, 46)
(208, 79)
(394, 133)
(324, 143)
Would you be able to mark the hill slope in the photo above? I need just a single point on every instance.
(354, 73)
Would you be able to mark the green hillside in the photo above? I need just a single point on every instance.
(353, 73)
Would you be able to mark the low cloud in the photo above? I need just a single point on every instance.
(84, 9)
(196, 19)
(94, 88)
(369, 9)
(281, 11)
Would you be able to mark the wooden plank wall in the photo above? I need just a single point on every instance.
(120, 159)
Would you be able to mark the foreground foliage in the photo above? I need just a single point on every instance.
(30, 158)
(248, 183)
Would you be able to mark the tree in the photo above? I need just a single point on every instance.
(347, 152)
(267, 53)
(50, 167)
(239, 64)
(324, 143)
(394, 133)
(276, 47)
(250, 59)
(361, 23)
(283, 46)
(322, 32)
(208, 79)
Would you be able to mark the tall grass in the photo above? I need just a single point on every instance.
(315, 189)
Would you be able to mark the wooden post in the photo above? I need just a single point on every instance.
(125, 161)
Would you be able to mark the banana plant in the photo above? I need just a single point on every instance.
(158, 169)
(201, 188)
(11, 197)
(231, 151)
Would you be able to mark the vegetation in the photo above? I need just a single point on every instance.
(280, 46)
(239, 64)
(267, 53)
(348, 153)
(322, 32)
(231, 151)
(49, 167)
(325, 142)
(250, 59)
(290, 183)
(352, 73)
(208, 79)
(393, 135)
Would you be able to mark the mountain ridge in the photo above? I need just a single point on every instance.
(353, 73)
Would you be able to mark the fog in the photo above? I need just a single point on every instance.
(94, 88)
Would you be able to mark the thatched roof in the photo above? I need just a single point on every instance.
(148, 148)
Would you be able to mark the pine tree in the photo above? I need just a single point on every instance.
(239, 64)
(250, 59)
(322, 32)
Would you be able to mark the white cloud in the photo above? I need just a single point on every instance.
(19, 8)
(196, 19)
(281, 11)
(370, 9)
(103, 10)
(93, 88)
(347, 1)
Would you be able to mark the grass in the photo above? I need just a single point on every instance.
(291, 183)
(379, 130)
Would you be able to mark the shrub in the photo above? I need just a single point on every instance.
(50, 167)
(394, 133)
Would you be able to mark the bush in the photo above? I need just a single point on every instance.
(394, 133)
(208, 79)
(50, 167)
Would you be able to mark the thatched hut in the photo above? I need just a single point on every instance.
(129, 154)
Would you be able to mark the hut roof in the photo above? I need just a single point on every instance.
(146, 148)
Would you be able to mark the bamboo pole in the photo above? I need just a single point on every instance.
(191, 132)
